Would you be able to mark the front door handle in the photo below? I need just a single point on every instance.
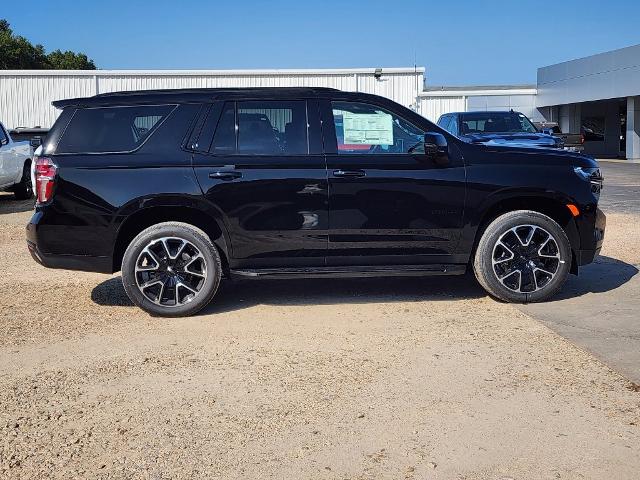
(225, 174)
(349, 173)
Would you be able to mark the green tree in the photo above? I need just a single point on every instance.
(69, 60)
(17, 53)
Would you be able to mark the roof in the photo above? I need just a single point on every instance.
(478, 90)
(481, 111)
(478, 87)
(265, 72)
(187, 95)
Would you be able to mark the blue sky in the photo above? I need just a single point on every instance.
(459, 42)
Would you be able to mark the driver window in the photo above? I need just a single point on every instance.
(3, 137)
(363, 128)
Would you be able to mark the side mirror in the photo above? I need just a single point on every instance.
(3, 142)
(35, 142)
(436, 148)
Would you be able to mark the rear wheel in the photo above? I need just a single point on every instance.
(523, 256)
(24, 189)
(171, 269)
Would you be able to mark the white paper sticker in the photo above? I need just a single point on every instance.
(367, 128)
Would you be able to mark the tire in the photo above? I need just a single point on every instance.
(171, 269)
(523, 257)
(24, 189)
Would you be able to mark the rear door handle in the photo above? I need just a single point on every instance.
(225, 174)
(349, 173)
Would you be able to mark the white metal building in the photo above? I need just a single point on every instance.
(436, 101)
(26, 95)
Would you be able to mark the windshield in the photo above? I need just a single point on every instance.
(495, 122)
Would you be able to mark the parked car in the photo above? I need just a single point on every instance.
(34, 135)
(497, 128)
(570, 141)
(15, 166)
(178, 189)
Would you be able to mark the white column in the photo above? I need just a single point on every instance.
(633, 128)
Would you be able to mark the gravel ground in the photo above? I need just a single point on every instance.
(354, 379)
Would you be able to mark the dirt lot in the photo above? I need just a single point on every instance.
(358, 379)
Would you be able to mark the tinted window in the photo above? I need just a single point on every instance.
(224, 140)
(496, 122)
(3, 136)
(444, 121)
(364, 128)
(111, 129)
(453, 126)
(272, 127)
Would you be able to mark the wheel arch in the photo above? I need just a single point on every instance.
(136, 222)
(553, 207)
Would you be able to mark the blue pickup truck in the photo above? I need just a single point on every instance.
(497, 128)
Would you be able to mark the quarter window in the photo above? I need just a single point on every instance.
(111, 129)
(369, 129)
(224, 140)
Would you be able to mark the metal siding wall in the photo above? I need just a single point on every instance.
(433, 107)
(25, 100)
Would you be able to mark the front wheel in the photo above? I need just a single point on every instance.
(523, 256)
(171, 269)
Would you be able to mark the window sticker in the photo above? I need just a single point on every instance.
(368, 128)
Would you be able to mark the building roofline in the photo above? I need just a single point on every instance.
(188, 73)
(471, 90)
(599, 54)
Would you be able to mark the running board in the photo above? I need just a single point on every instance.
(352, 271)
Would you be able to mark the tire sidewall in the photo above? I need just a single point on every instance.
(172, 229)
(483, 265)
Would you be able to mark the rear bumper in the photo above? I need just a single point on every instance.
(85, 263)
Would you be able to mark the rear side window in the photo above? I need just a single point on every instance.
(111, 129)
(272, 127)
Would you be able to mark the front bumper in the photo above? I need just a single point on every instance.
(588, 255)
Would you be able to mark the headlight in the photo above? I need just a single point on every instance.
(593, 175)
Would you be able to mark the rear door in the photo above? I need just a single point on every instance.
(388, 203)
(260, 164)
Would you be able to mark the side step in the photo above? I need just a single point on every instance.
(351, 271)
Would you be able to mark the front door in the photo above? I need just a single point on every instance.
(264, 171)
(7, 173)
(388, 203)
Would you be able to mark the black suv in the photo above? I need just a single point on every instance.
(179, 188)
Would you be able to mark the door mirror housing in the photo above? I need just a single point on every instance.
(35, 142)
(436, 148)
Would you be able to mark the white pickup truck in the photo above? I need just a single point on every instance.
(15, 166)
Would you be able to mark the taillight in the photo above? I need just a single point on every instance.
(45, 177)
